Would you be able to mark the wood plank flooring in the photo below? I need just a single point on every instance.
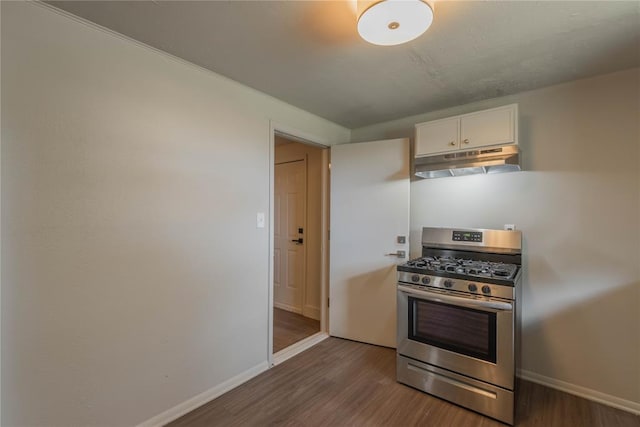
(344, 383)
(289, 328)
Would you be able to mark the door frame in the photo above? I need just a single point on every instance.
(309, 139)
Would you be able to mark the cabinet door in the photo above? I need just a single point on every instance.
(437, 136)
(489, 127)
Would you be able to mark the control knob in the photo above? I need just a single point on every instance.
(415, 278)
(426, 280)
(486, 289)
(472, 287)
(448, 283)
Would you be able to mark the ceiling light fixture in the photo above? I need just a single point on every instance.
(392, 22)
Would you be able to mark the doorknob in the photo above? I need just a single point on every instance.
(399, 254)
(298, 241)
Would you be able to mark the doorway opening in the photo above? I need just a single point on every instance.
(300, 247)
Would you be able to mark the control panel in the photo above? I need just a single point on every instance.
(477, 289)
(467, 236)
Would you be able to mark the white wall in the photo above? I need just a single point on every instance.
(578, 206)
(133, 275)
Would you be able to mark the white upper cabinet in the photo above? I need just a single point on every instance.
(479, 129)
(437, 136)
(489, 127)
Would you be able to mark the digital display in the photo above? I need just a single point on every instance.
(467, 236)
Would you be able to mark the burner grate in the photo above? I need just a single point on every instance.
(466, 267)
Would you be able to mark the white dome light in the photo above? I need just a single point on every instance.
(391, 22)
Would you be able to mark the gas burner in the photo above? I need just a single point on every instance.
(465, 267)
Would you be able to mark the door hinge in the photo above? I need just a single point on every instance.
(328, 303)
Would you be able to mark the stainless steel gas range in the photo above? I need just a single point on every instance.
(457, 318)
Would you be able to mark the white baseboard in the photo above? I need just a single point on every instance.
(311, 312)
(587, 393)
(204, 397)
(299, 347)
(287, 307)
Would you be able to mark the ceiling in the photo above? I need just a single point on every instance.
(308, 53)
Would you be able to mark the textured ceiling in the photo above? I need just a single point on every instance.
(307, 53)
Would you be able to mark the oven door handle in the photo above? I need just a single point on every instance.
(459, 301)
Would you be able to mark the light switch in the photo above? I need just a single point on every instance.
(260, 220)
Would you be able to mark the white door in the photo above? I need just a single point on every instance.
(369, 210)
(289, 225)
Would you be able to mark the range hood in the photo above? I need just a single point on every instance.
(497, 159)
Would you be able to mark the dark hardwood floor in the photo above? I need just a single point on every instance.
(289, 328)
(344, 383)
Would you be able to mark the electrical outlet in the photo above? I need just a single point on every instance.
(510, 227)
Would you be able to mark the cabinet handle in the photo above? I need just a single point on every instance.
(452, 143)
(466, 141)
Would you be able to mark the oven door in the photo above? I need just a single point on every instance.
(470, 336)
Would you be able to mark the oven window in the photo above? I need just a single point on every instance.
(459, 329)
